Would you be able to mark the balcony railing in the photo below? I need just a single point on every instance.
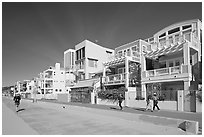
(130, 54)
(117, 78)
(191, 37)
(167, 71)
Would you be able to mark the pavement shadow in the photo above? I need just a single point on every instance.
(114, 108)
(139, 109)
(20, 110)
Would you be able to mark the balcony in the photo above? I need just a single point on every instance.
(115, 79)
(176, 70)
(133, 54)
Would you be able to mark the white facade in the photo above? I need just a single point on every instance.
(89, 58)
(52, 81)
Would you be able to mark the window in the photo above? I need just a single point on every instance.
(162, 65)
(177, 38)
(56, 90)
(162, 42)
(144, 48)
(177, 63)
(121, 70)
(186, 27)
(30, 87)
(92, 62)
(119, 53)
(109, 52)
(171, 63)
(187, 35)
(173, 30)
(149, 47)
(128, 52)
(162, 35)
(60, 90)
(170, 40)
(124, 52)
(83, 52)
(136, 48)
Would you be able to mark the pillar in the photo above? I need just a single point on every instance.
(126, 72)
(143, 63)
(186, 98)
(186, 54)
(144, 91)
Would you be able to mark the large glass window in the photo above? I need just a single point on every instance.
(128, 52)
(92, 63)
(187, 35)
(177, 38)
(174, 30)
(119, 53)
(83, 52)
(162, 65)
(177, 63)
(171, 63)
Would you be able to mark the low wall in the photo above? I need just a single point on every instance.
(168, 105)
(50, 96)
(107, 102)
(62, 97)
(198, 106)
(38, 96)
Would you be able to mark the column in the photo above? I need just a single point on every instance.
(186, 54)
(144, 91)
(126, 72)
(186, 99)
(126, 102)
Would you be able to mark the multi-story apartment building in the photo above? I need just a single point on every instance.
(88, 61)
(167, 63)
(89, 58)
(124, 69)
(69, 66)
(171, 63)
(52, 81)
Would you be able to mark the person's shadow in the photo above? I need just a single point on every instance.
(114, 108)
(20, 110)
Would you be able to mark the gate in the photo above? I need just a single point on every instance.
(81, 96)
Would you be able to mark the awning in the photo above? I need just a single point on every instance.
(165, 51)
(115, 61)
(84, 83)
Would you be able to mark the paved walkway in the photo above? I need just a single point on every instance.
(162, 113)
(12, 124)
(52, 119)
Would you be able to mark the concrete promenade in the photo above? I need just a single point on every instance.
(12, 124)
(52, 119)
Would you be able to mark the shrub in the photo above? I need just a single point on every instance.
(112, 94)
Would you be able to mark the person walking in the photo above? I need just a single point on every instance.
(149, 104)
(120, 100)
(16, 100)
(155, 102)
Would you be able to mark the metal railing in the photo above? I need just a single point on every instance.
(167, 71)
(130, 54)
(191, 37)
(114, 78)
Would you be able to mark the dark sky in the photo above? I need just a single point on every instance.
(35, 35)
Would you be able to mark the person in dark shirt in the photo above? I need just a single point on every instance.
(16, 100)
(155, 102)
(120, 100)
